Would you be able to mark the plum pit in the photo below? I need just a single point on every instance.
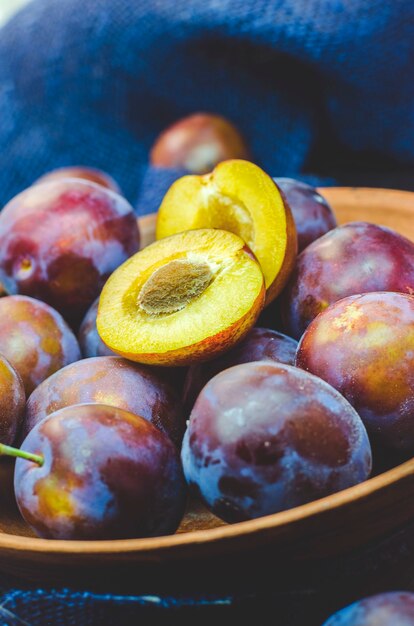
(172, 286)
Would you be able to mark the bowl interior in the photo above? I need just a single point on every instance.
(386, 207)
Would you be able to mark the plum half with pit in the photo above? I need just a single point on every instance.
(312, 214)
(261, 344)
(60, 241)
(103, 473)
(363, 346)
(114, 381)
(358, 257)
(265, 437)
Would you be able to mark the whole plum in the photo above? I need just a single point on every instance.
(81, 171)
(12, 402)
(109, 380)
(395, 608)
(312, 214)
(197, 143)
(261, 344)
(355, 258)
(364, 346)
(106, 474)
(265, 437)
(35, 339)
(60, 241)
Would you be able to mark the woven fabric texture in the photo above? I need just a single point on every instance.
(323, 90)
(319, 87)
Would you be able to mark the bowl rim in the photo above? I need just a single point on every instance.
(211, 535)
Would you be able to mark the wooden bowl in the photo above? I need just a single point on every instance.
(315, 545)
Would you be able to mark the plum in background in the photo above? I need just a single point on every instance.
(197, 143)
(312, 214)
(12, 402)
(60, 241)
(364, 347)
(265, 437)
(261, 344)
(395, 608)
(106, 474)
(35, 339)
(92, 174)
(109, 380)
(354, 258)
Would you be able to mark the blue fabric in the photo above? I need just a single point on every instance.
(321, 87)
(322, 90)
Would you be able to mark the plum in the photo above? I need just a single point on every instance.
(81, 171)
(89, 339)
(109, 380)
(12, 402)
(35, 339)
(261, 344)
(364, 347)
(312, 214)
(92, 345)
(355, 258)
(60, 241)
(197, 143)
(395, 608)
(104, 473)
(264, 437)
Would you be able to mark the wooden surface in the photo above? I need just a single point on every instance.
(312, 546)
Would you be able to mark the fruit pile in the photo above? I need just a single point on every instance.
(172, 380)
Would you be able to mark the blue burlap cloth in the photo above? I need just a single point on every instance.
(322, 90)
(319, 87)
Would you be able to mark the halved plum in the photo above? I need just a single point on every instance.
(185, 298)
(239, 197)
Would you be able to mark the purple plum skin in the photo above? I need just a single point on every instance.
(12, 402)
(261, 344)
(312, 214)
(114, 381)
(35, 339)
(364, 347)
(264, 437)
(60, 241)
(358, 257)
(395, 608)
(107, 474)
(89, 340)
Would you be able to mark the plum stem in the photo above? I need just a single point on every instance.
(21, 454)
